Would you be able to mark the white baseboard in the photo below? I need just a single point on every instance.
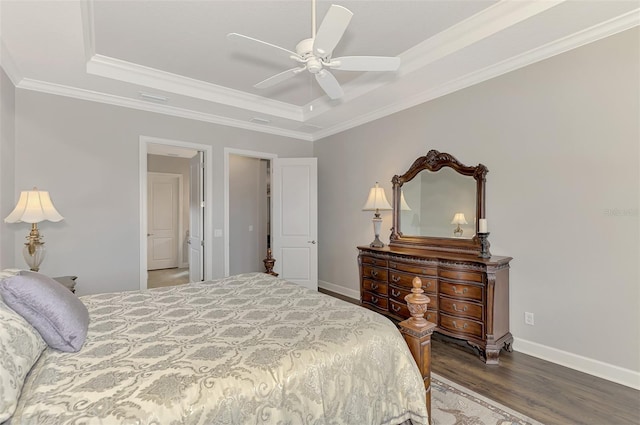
(626, 377)
(339, 290)
(593, 367)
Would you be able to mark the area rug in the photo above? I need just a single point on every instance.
(453, 404)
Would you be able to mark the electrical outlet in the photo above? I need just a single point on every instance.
(528, 318)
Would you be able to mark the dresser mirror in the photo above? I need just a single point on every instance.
(433, 200)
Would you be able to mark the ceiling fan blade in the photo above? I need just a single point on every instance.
(253, 42)
(278, 78)
(329, 84)
(365, 63)
(331, 30)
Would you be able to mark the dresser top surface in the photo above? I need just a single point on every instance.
(440, 255)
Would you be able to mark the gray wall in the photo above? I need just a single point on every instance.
(561, 141)
(173, 165)
(8, 197)
(86, 155)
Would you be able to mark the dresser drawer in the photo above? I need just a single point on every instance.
(374, 273)
(458, 325)
(461, 308)
(460, 275)
(461, 290)
(374, 286)
(376, 300)
(374, 261)
(398, 294)
(412, 268)
(429, 284)
(401, 309)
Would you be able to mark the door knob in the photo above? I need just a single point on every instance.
(312, 242)
(149, 234)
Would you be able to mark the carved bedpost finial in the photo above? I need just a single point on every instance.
(417, 303)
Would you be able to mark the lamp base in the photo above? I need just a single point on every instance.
(34, 251)
(377, 223)
(33, 254)
(377, 243)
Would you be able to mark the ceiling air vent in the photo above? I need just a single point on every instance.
(258, 120)
(157, 98)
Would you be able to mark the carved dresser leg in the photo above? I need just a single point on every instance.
(417, 333)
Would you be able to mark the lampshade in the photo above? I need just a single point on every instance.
(33, 206)
(458, 218)
(403, 203)
(377, 200)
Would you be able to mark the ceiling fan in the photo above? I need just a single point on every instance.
(314, 54)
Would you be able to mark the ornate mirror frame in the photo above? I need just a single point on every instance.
(434, 161)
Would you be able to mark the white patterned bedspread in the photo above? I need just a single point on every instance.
(248, 349)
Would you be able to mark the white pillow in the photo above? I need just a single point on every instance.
(20, 347)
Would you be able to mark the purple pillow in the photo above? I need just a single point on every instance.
(57, 314)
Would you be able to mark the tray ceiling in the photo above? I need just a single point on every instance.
(173, 57)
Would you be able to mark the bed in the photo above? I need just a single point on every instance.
(248, 349)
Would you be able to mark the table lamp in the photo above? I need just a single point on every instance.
(33, 207)
(377, 202)
(458, 219)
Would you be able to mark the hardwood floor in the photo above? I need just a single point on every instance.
(167, 277)
(545, 391)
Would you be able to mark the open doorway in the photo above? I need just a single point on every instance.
(248, 209)
(174, 216)
(249, 225)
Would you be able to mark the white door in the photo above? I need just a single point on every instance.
(196, 219)
(295, 220)
(163, 201)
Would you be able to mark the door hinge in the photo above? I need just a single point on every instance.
(202, 243)
(202, 204)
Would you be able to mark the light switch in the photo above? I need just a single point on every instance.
(217, 233)
(251, 227)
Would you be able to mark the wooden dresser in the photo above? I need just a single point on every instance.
(469, 295)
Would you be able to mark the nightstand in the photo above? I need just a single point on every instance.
(68, 282)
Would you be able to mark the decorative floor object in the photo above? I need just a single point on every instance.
(453, 404)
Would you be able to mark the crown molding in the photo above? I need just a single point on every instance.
(475, 28)
(120, 70)
(9, 65)
(88, 29)
(82, 94)
(580, 38)
(467, 32)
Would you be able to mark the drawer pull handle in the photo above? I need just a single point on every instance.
(375, 300)
(463, 310)
(374, 273)
(395, 293)
(374, 286)
(429, 283)
(395, 279)
(395, 308)
(464, 290)
(455, 325)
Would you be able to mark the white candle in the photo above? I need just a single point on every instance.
(482, 225)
